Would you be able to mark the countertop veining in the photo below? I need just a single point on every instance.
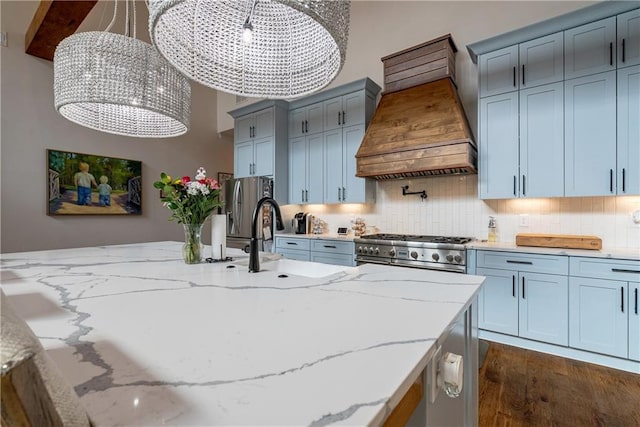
(148, 340)
(630, 254)
(325, 236)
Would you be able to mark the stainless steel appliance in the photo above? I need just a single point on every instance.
(240, 197)
(431, 252)
(302, 222)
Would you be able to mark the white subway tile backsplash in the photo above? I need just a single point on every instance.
(453, 209)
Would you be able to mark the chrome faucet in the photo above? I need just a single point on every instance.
(254, 259)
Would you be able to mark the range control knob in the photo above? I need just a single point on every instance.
(458, 258)
(435, 257)
(376, 251)
(370, 251)
(359, 249)
(414, 254)
(450, 258)
(392, 252)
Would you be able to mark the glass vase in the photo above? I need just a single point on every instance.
(193, 248)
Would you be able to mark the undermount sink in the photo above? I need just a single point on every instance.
(293, 267)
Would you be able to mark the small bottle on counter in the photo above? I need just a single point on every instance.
(493, 234)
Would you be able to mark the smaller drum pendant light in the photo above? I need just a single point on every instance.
(257, 48)
(121, 85)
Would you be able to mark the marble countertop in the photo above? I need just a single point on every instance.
(147, 340)
(326, 236)
(630, 254)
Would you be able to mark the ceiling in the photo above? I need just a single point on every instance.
(53, 21)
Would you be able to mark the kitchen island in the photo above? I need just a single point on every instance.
(147, 340)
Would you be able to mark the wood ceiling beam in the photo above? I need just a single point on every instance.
(53, 21)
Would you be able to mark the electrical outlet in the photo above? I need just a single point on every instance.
(635, 216)
(524, 220)
(3, 39)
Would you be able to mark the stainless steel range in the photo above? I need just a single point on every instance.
(431, 252)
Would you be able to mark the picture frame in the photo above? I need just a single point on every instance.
(224, 176)
(91, 184)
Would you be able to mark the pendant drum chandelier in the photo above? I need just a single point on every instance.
(255, 48)
(120, 85)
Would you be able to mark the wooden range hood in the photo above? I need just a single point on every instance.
(419, 127)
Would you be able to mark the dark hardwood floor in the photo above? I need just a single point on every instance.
(520, 387)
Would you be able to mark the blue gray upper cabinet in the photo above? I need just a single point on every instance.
(498, 156)
(346, 110)
(541, 61)
(629, 130)
(305, 120)
(590, 135)
(533, 63)
(629, 39)
(499, 72)
(541, 141)
(590, 48)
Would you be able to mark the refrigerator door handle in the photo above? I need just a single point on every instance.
(235, 226)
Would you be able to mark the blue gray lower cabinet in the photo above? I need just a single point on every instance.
(317, 250)
(520, 297)
(586, 308)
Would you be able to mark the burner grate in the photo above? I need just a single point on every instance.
(417, 238)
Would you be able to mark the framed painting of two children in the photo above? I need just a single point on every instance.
(88, 184)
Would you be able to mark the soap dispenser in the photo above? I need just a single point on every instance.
(493, 235)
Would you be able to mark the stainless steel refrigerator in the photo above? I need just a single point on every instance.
(240, 197)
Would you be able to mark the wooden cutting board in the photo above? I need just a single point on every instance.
(559, 241)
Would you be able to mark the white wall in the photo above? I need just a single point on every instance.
(30, 125)
(453, 209)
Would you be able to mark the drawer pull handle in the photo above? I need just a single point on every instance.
(292, 243)
(512, 261)
(624, 270)
(330, 246)
(622, 299)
